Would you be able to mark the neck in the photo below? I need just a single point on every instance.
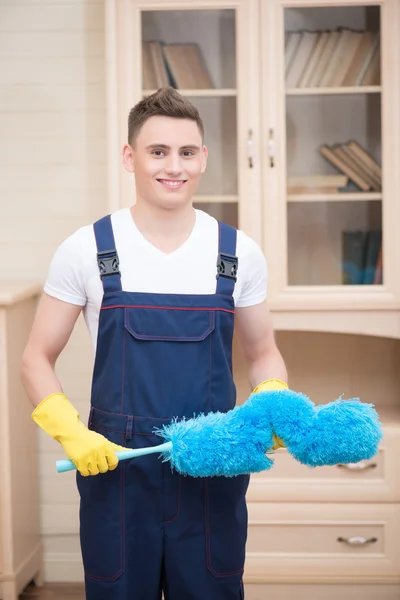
(165, 229)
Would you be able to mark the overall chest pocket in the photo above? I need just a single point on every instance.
(169, 325)
(168, 360)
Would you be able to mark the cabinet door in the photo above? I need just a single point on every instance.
(331, 185)
(208, 51)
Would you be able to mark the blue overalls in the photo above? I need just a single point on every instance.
(145, 528)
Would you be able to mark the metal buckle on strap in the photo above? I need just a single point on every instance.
(227, 266)
(108, 263)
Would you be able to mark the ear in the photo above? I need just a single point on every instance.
(127, 158)
(204, 159)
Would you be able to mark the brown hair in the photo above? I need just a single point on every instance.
(166, 102)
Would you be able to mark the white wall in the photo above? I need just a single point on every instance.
(53, 179)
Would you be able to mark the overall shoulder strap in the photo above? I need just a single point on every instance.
(107, 256)
(227, 263)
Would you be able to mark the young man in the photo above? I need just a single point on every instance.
(161, 314)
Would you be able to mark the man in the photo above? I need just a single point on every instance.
(161, 314)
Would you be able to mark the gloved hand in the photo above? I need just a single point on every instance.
(90, 452)
(273, 384)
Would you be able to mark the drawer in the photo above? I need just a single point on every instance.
(375, 480)
(294, 541)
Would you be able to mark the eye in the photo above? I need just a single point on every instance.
(158, 152)
(188, 153)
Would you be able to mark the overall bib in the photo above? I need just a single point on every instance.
(144, 528)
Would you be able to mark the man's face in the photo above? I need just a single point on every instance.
(167, 158)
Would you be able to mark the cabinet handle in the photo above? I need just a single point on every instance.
(359, 466)
(271, 148)
(357, 541)
(250, 149)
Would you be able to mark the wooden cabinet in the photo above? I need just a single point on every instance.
(330, 103)
(287, 90)
(330, 532)
(20, 541)
(271, 117)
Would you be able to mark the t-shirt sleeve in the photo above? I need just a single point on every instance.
(65, 280)
(254, 289)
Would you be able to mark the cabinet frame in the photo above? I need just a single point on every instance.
(282, 296)
(124, 57)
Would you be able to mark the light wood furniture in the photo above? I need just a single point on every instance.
(20, 543)
(326, 533)
(61, 591)
(330, 532)
(262, 134)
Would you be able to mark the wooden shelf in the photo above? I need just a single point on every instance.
(319, 91)
(210, 93)
(339, 197)
(208, 199)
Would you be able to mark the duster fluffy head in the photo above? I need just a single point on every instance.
(236, 442)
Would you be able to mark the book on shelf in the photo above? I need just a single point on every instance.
(362, 257)
(356, 163)
(334, 58)
(315, 184)
(181, 66)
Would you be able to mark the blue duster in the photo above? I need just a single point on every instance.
(240, 441)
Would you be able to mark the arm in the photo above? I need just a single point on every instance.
(91, 452)
(51, 330)
(266, 366)
(256, 336)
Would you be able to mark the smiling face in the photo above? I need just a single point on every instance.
(168, 158)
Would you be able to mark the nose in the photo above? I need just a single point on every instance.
(173, 165)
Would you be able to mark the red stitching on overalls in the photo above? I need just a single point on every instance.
(210, 375)
(123, 371)
(107, 412)
(167, 308)
(110, 430)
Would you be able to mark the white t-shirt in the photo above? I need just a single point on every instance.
(74, 275)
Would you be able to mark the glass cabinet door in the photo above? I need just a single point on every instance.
(194, 51)
(332, 118)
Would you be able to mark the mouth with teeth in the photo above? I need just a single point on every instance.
(172, 184)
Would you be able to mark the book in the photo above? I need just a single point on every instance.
(187, 66)
(372, 250)
(332, 58)
(342, 152)
(366, 159)
(155, 71)
(343, 165)
(353, 249)
(178, 65)
(362, 257)
(315, 184)
(303, 53)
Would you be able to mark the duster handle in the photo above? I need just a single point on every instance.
(67, 465)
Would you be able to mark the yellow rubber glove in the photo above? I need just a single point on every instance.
(273, 384)
(90, 452)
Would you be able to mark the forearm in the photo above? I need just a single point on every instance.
(38, 378)
(269, 366)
